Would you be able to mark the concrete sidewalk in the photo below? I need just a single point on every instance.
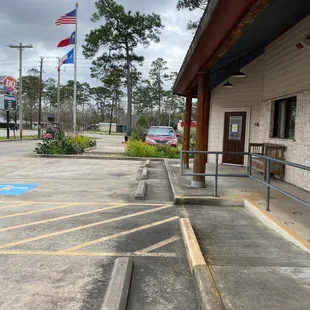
(251, 266)
(294, 217)
(107, 143)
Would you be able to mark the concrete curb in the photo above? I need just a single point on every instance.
(173, 182)
(118, 288)
(180, 199)
(111, 157)
(145, 173)
(211, 201)
(90, 149)
(267, 219)
(141, 190)
(206, 290)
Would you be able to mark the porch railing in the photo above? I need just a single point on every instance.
(267, 183)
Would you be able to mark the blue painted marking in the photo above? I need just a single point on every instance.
(15, 189)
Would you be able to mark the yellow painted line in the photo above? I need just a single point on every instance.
(37, 211)
(9, 245)
(17, 205)
(113, 254)
(63, 217)
(158, 245)
(123, 233)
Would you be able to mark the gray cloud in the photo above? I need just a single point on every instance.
(33, 22)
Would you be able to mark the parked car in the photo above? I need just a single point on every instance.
(93, 127)
(161, 135)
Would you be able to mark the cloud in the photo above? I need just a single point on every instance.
(33, 22)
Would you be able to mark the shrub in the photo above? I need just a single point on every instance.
(62, 145)
(138, 133)
(141, 149)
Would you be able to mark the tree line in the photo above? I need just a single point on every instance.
(112, 47)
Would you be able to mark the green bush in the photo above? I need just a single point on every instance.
(62, 145)
(138, 133)
(141, 149)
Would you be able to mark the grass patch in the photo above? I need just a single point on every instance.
(140, 149)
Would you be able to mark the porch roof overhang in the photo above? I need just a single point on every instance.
(232, 28)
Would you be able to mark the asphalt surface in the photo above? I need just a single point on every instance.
(17, 148)
(252, 266)
(58, 241)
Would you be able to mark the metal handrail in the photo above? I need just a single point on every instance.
(269, 186)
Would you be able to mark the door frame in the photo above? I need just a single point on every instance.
(247, 129)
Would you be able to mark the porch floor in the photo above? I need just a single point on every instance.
(296, 216)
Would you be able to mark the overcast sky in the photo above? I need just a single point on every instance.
(33, 22)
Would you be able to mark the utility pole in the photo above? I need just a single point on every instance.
(20, 47)
(40, 98)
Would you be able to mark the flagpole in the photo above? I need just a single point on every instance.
(58, 93)
(75, 70)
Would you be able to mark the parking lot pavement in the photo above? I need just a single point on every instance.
(59, 255)
(70, 180)
(59, 240)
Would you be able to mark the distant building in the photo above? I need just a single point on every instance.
(106, 127)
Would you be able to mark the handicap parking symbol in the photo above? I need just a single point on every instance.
(15, 189)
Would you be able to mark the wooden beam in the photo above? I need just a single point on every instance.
(257, 9)
(206, 124)
(200, 159)
(187, 128)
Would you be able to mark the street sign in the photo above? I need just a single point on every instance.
(15, 189)
(8, 83)
(7, 103)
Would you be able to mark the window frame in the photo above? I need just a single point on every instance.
(289, 103)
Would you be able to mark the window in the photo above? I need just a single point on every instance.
(235, 128)
(284, 118)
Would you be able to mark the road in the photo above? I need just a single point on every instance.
(17, 148)
(25, 133)
(59, 240)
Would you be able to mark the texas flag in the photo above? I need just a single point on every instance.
(67, 59)
(67, 41)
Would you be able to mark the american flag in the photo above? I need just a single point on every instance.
(67, 19)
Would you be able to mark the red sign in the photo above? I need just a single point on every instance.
(9, 84)
(193, 124)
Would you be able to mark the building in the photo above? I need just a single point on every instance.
(249, 67)
(106, 127)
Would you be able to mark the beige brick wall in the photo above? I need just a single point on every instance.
(297, 151)
(283, 71)
(247, 93)
(287, 69)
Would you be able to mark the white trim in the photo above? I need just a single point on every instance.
(247, 129)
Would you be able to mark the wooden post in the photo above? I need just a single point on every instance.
(187, 128)
(200, 161)
(206, 123)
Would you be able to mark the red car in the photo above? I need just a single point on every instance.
(161, 135)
